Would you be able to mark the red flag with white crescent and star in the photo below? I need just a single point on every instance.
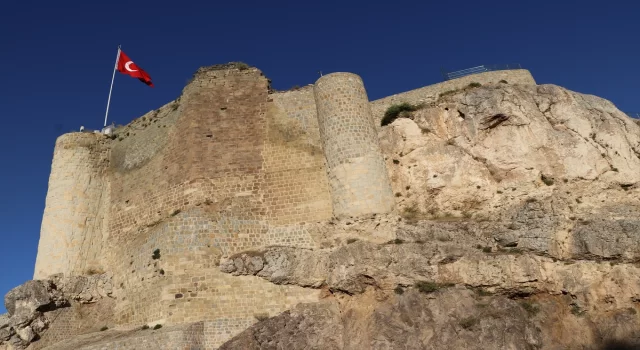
(126, 66)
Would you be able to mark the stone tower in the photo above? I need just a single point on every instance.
(357, 173)
(72, 224)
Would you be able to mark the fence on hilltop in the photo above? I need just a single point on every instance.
(634, 115)
(479, 69)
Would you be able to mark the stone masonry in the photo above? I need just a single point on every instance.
(227, 167)
(357, 173)
(77, 200)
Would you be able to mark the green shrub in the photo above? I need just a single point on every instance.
(486, 249)
(104, 328)
(474, 85)
(504, 81)
(396, 241)
(483, 292)
(398, 110)
(242, 65)
(411, 213)
(468, 322)
(351, 240)
(530, 307)
(547, 180)
(448, 92)
(428, 287)
(94, 271)
(156, 254)
(158, 326)
(398, 290)
(261, 316)
(516, 251)
(146, 326)
(576, 310)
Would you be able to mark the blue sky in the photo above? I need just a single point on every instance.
(57, 58)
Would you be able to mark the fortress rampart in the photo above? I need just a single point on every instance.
(71, 238)
(357, 173)
(224, 168)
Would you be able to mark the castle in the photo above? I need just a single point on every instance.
(229, 166)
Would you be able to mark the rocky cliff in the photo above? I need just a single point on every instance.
(518, 228)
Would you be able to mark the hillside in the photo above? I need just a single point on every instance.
(492, 215)
(518, 228)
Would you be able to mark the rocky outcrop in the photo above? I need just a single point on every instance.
(542, 167)
(29, 303)
(484, 152)
(310, 326)
(467, 294)
(448, 318)
(518, 228)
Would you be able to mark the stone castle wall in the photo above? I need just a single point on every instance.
(356, 169)
(294, 161)
(226, 167)
(235, 173)
(71, 238)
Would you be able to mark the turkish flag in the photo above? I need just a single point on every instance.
(126, 66)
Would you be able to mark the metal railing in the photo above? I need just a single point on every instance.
(479, 69)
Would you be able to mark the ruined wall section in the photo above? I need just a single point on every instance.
(183, 283)
(208, 192)
(71, 236)
(73, 320)
(296, 184)
(140, 192)
(430, 93)
(211, 152)
(139, 141)
(357, 173)
(187, 336)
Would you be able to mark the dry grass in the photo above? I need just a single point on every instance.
(401, 110)
(94, 271)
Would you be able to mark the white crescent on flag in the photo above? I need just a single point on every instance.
(126, 66)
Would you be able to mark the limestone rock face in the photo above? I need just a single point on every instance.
(524, 141)
(28, 304)
(447, 295)
(23, 301)
(457, 319)
(5, 332)
(307, 326)
(560, 169)
(517, 226)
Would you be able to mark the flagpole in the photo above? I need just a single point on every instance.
(115, 66)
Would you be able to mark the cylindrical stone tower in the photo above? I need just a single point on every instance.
(71, 232)
(357, 173)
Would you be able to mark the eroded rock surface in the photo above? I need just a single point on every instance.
(490, 153)
(447, 318)
(29, 303)
(416, 296)
(518, 228)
